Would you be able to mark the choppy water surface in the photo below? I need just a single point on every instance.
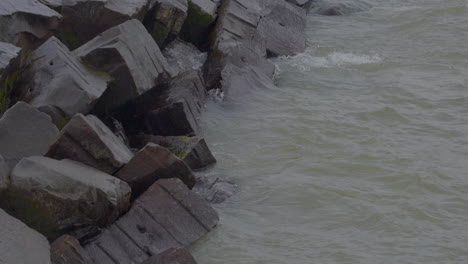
(360, 155)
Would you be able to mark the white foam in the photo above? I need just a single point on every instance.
(306, 61)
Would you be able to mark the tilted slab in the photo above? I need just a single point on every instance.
(21, 244)
(166, 216)
(129, 54)
(57, 197)
(26, 16)
(63, 81)
(7, 53)
(24, 132)
(153, 163)
(87, 140)
(67, 250)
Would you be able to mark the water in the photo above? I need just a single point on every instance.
(359, 155)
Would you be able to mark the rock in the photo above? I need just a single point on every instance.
(181, 108)
(166, 216)
(87, 140)
(169, 110)
(165, 20)
(21, 244)
(214, 189)
(59, 118)
(172, 256)
(61, 80)
(26, 22)
(283, 28)
(153, 163)
(4, 172)
(57, 197)
(184, 56)
(299, 2)
(67, 250)
(192, 150)
(85, 19)
(201, 16)
(24, 132)
(129, 54)
(339, 8)
(7, 53)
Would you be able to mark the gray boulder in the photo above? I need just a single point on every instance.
(201, 16)
(165, 20)
(21, 244)
(57, 197)
(172, 256)
(192, 150)
(24, 132)
(166, 216)
(129, 54)
(214, 189)
(153, 163)
(67, 250)
(7, 53)
(26, 22)
(4, 172)
(87, 140)
(180, 110)
(62, 80)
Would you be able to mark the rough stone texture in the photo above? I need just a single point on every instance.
(4, 172)
(283, 28)
(20, 244)
(63, 81)
(57, 197)
(172, 109)
(24, 132)
(184, 56)
(67, 250)
(59, 118)
(192, 150)
(181, 109)
(153, 163)
(129, 54)
(87, 140)
(85, 19)
(201, 16)
(341, 7)
(7, 53)
(165, 20)
(172, 256)
(166, 216)
(214, 189)
(23, 21)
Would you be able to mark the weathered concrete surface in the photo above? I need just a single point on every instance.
(164, 21)
(21, 244)
(26, 22)
(87, 140)
(59, 118)
(7, 53)
(153, 163)
(192, 150)
(166, 216)
(24, 132)
(169, 110)
(184, 56)
(4, 172)
(63, 81)
(172, 256)
(282, 28)
(129, 54)
(201, 16)
(183, 104)
(57, 197)
(67, 250)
